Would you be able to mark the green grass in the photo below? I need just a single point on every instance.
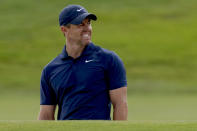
(98, 126)
(150, 107)
(155, 39)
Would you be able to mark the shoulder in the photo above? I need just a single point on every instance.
(52, 66)
(108, 55)
(109, 58)
(102, 51)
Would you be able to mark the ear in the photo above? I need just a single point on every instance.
(63, 29)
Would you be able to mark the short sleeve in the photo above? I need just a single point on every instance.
(47, 94)
(116, 73)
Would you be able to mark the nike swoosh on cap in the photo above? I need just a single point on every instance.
(79, 9)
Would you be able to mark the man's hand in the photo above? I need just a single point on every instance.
(119, 101)
(47, 112)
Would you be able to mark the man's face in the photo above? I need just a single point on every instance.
(79, 34)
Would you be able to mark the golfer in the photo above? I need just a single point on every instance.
(85, 79)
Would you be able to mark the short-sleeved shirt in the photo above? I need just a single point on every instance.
(80, 87)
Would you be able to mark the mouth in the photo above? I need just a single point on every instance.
(86, 35)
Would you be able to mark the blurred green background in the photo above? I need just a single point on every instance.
(156, 39)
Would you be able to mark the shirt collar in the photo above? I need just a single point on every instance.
(87, 50)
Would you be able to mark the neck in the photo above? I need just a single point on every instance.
(74, 50)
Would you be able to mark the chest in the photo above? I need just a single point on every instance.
(85, 73)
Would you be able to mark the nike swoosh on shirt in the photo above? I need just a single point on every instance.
(86, 61)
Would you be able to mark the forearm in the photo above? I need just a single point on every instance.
(45, 116)
(47, 112)
(120, 112)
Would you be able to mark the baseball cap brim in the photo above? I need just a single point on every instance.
(78, 20)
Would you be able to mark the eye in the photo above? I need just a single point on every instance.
(82, 24)
(89, 21)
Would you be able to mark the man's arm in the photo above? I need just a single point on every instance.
(47, 112)
(119, 101)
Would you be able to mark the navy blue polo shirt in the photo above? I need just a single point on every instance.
(80, 87)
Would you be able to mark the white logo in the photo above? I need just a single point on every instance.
(79, 9)
(88, 61)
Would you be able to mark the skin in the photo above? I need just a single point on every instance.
(119, 101)
(77, 37)
(47, 112)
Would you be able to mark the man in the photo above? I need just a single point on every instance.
(84, 79)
